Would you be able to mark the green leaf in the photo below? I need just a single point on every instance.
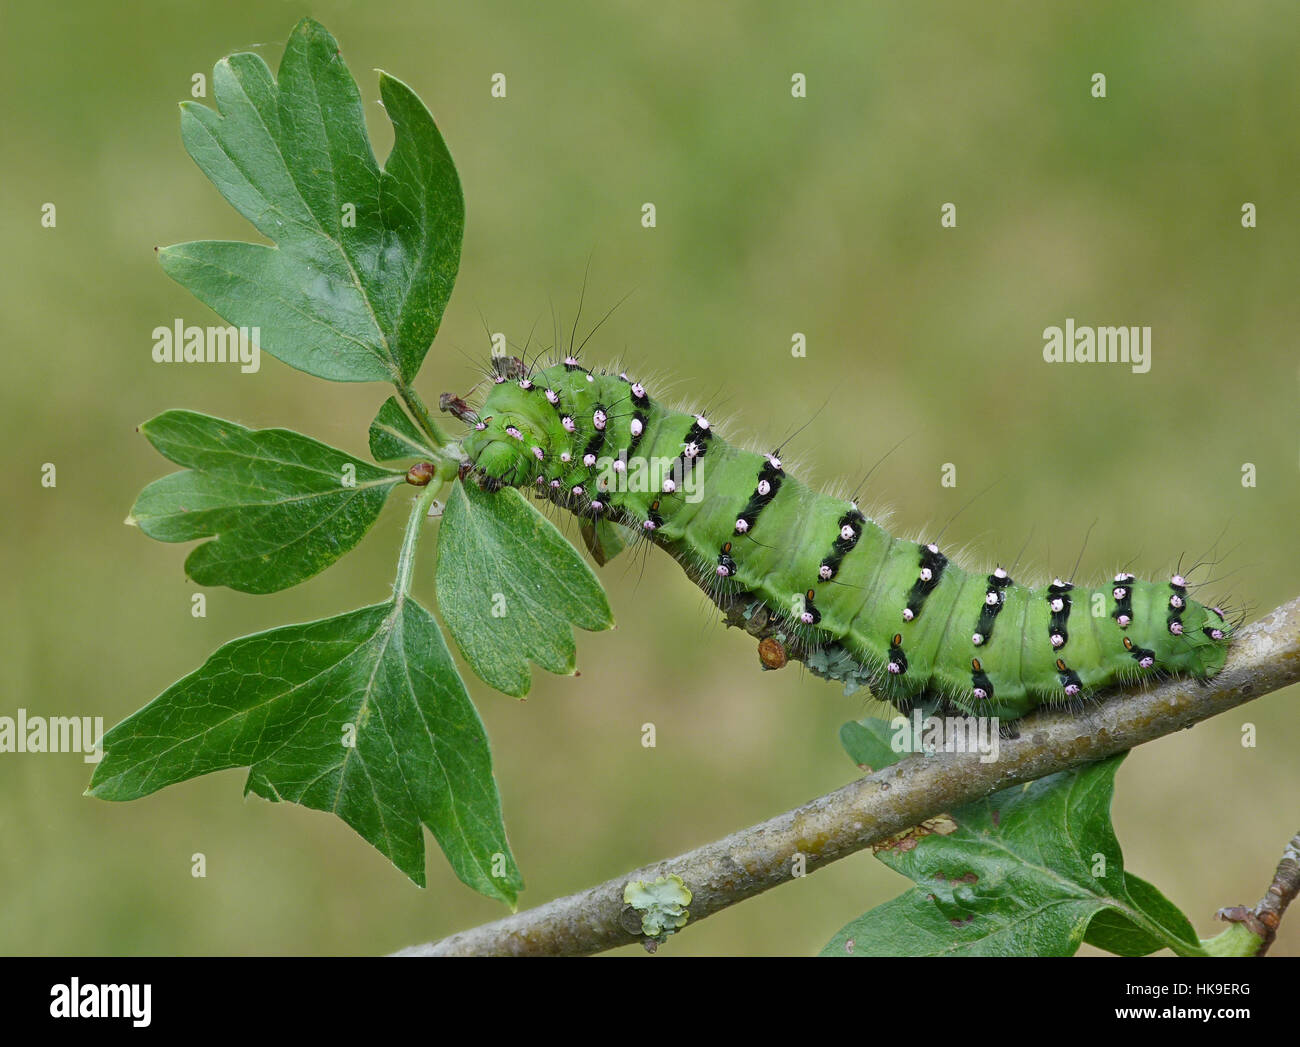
(509, 586)
(277, 502)
(365, 259)
(604, 538)
(287, 703)
(868, 743)
(1114, 931)
(394, 437)
(1017, 879)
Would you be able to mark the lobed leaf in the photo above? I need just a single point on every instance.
(363, 715)
(282, 506)
(365, 258)
(510, 587)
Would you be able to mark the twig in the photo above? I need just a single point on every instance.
(1263, 920)
(1264, 658)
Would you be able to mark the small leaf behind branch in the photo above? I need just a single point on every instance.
(1027, 872)
(510, 586)
(394, 437)
(282, 506)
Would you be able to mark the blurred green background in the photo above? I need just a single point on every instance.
(775, 215)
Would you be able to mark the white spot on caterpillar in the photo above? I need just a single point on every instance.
(977, 639)
(825, 573)
(1123, 621)
(512, 431)
(577, 489)
(1178, 580)
(567, 422)
(806, 617)
(846, 533)
(524, 383)
(1122, 577)
(742, 525)
(992, 598)
(538, 453)
(1119, 592)
(1176, 602)
(1176, 628)
(894, 668)
(618, 465)
(764, 488)
(1057, 640)
(552, 396)
(691, 450)
(702, 422)
(926, 574)
(1057, 605)
(570, 361)
(1071, 689)
(773, 461)
(932, 547)
(979, 692)
(908, 614)
(1216, 634)
(555, 484)
(588, 460)
(480, 426)
(565, 456)
(1147, 662)
(638, 390)
(598, 419)
(649, 525)
(723, 571)
(597, 506)
(636, 427)
(999, 573)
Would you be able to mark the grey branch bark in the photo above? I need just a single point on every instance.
(1264, 658)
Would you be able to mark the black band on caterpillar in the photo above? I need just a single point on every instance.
(932, 564)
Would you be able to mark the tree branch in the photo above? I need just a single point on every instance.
(1264, 657)
(1263, 920)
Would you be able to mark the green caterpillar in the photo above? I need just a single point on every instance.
(847, 598)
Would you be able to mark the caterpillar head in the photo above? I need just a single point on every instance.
(503, 443)
(509, 442)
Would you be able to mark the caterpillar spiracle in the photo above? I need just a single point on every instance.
(850, 600)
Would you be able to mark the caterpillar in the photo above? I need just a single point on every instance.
(851, 601)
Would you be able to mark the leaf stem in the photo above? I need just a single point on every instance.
(406, 558)
(421, 414)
